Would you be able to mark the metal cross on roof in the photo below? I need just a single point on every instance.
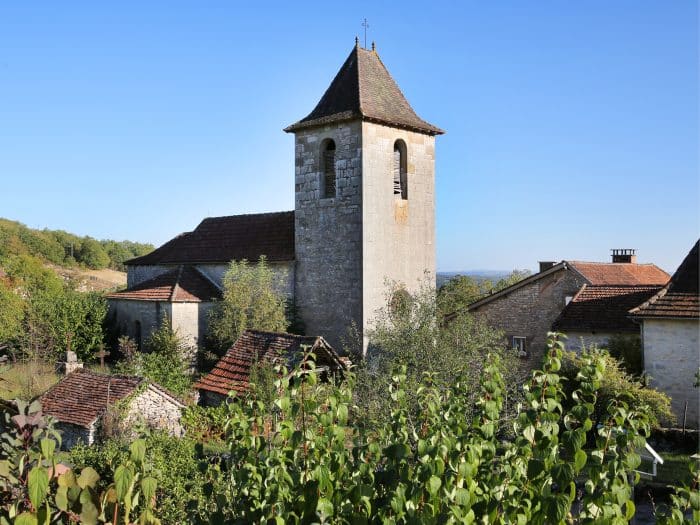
(365, 24)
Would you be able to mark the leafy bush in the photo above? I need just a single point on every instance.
(616, 384)
(164, 361)
(627, 349)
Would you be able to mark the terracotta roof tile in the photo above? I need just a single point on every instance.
(599, 274)
(232, 372)
(182, 284)
(363, 88)
(603, 308)
(680, 298)
(83, 396)
(223, 239)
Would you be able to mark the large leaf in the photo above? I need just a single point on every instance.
(26, 518)
(138, 450)
(148, 486)
(38, 482)
(88, 478)
(123, 476)
(47, 447)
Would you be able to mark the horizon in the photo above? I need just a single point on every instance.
(565, 124)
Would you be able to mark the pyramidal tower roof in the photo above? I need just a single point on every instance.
(363, 88)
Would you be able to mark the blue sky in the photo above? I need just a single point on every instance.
(572, 128)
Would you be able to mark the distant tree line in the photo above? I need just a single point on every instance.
(66, 249)
(459, 292)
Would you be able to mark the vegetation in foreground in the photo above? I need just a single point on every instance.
(313, 460)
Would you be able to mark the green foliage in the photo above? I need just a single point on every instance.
(406, 334)
(205, 424)
(627, 349)
(249, 301)
(34, 490)
(163, 362)
(11, 314)
(66, 249)
(616, 384)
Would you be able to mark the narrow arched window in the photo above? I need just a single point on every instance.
(328, 169)
(400, 178)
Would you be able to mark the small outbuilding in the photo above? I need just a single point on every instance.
(231, 375)
(81, 401)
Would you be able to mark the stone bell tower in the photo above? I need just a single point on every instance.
(364, 199)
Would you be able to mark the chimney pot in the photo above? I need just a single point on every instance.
(624, 255)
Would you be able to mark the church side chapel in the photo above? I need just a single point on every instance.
(364, 215)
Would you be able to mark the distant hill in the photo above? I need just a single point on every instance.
(478, 275)
(66, 249)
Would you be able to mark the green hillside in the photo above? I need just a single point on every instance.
(66, 249)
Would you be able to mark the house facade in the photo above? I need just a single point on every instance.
(364, 181)
(670, 325)
(529, 309)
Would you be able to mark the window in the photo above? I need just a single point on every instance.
(328, 169)
(399, 170)
(519, 344)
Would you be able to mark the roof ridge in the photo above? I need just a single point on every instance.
(245, 215)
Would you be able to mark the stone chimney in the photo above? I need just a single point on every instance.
(624, 255)
(72, 364)
(546, 265)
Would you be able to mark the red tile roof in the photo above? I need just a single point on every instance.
(182, 284)
(680, 298)
(223, 239)
(603, 308)
(232, 372)
(599, 274)
(83, 396)
(363, 88)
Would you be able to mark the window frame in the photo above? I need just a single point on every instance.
(323, 169)
(519, 343)
(400, 146)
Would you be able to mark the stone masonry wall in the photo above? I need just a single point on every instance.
(671, 358)
(577, 340)
(126, 312)
(398, 236)
(530, 310)
(328, 233)
(71, 435)
(283, 272)
(156, 410)
(136, 274)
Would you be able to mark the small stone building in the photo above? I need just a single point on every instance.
(82, 399)
(232, 373)
(527, 310)
(364, 214)
(182, 296)
(670, 322)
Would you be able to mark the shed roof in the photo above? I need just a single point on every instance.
(630, 274)
(232, 372)
(218, 240)
(83, 396)
(184, 284)
(603, 308)
(363, 88)
(680, 298)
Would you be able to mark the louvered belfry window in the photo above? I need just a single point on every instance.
(328, 190)
(399, 171)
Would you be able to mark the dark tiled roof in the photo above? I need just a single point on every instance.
(182, 284)
(600, 274)
(603, 308)
(363, 88)
(83, 396)
(223, 239)
(680, 298)
(232, 372)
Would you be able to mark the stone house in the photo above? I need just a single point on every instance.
(82, 400)
(364, 182)
(232, 373)
(527, 310)
(670, 324)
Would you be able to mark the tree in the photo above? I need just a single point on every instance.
(11, 314)
(458, 293)
(249, 301)
(92, 254)
(509, 280)
(408, 332)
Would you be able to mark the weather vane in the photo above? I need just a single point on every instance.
(365, 24)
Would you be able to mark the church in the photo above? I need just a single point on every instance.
(364, 216)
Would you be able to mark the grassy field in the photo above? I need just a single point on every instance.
(26, 380)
